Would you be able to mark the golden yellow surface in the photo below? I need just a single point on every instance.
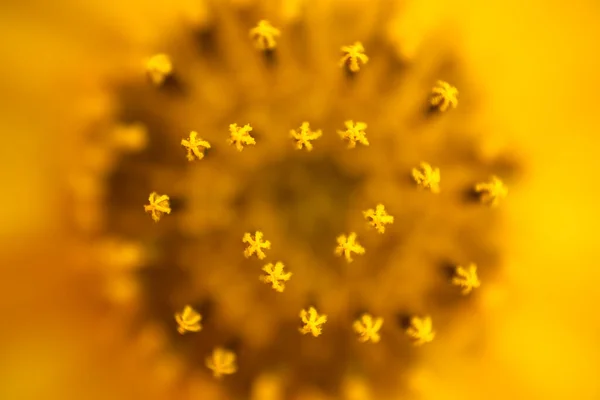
(533, 331)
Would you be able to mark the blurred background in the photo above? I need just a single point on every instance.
(528, 110)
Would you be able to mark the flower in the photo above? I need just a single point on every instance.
(492, 192)
(427, 177)
(368, 328)
(195, 146)
(159, 205)
(264, 35)
(240, 136)
(255, 245)
(420, 330)
(354, 55)
(276, 276)
(466, 278)
(378, 217)
(188, 320)
(354, 133)
(444, 95)
(304, 136)
(313, 322)
(221, 362)
(348, 245)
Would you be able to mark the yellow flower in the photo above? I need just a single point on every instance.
(427, 177)
(158, 206)
(421, 330)
(352, 55)
(444, 95)
(378, 217)
(240, 136)
(159, 67)
(264, 35)
(466, 278)
(368, 328)
(275, 276)
(188, 320)
(255, 245)
(354, 133)
(492, 192)
(348, 245)
(304, 136)
(312, 321)
(221, 362)
(195, 146)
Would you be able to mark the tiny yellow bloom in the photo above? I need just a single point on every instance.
(304, 136)
(492, 192)
(159, 67)
(444, 95)
(427, 177)
(195, 146)
(188, 320)
(466, 278)
(420, 330)
(240, 136)
(378, 217)
(159, 205)
(312, 321)
(368, 328)
(354, 133)
(275, 276)
(221, 362)
(264, 35)
(256, 245)
(348, 245)
(352, 55)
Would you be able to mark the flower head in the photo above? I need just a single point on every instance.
(240, 136)
(368, 328)
(378, 217)
(354, 133)
(264, 35)
(159, 205)
(304, 136)
(492, 192)
(275, 276)
(466, 278)
(159, 67)
(420, 330)
(221, 362)
(312, 321)
(444, 95)
(256, 245)
(348, 245)
(188, 320)
(195, 146)
(354, 55)
(427, 177)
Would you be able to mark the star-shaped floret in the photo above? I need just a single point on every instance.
(348, 245)
(354, 56)
(312, 321)
(368, 328)
(275, 276)
(354, 133)
(195, 146)
(304, 136)
(378, 217)
(256, 245)
(159, 205)
(427, 177)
